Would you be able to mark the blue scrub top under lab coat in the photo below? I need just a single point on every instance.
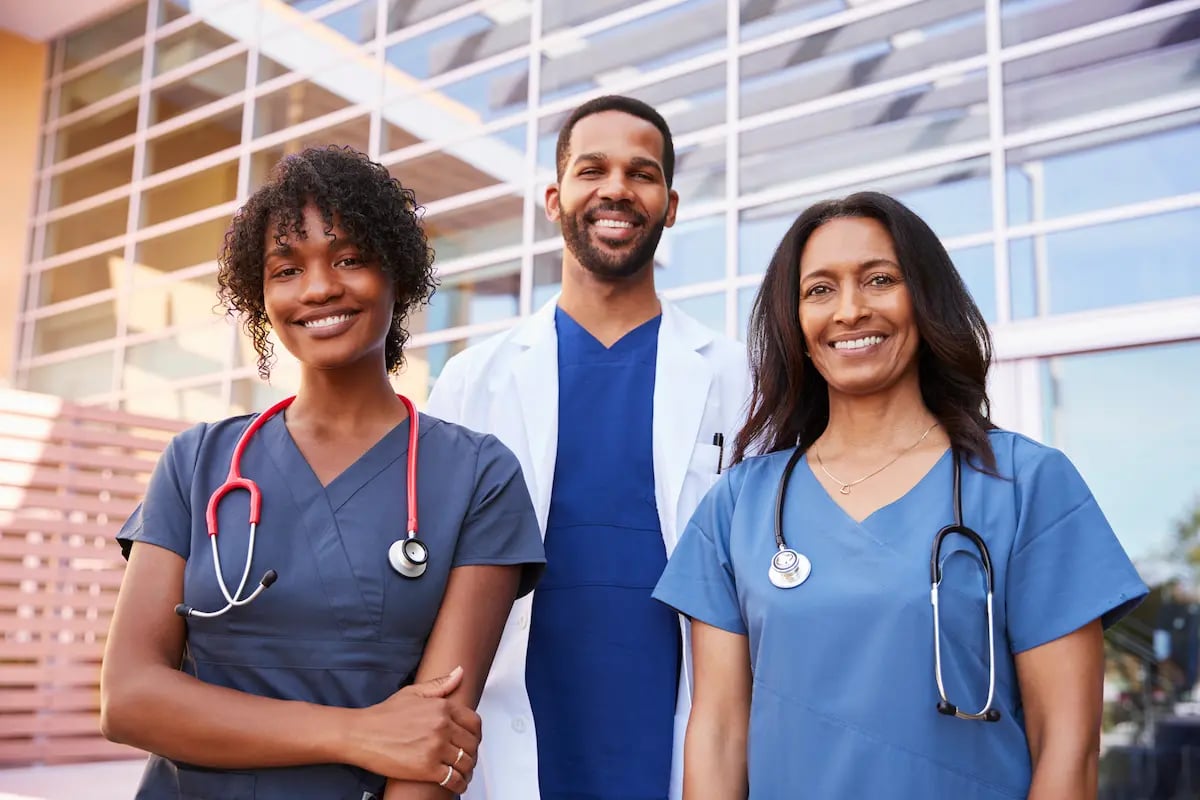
(843, 699)
(339, 627)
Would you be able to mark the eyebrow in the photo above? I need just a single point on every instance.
(862, 267)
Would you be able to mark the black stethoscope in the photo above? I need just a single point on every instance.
(408, 556)
(790, 568)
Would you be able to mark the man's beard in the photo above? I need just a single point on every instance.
(604, 264)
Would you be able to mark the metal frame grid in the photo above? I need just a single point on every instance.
(1018, 343)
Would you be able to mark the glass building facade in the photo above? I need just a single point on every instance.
(1053, 144)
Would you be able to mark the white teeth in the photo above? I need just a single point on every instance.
(325, 322)
(857, 344)
(612, 223)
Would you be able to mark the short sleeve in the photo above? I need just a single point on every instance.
(164, 516)
(699, 580)
(1067, 566)
(501, 527)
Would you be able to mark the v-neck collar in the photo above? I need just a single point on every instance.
(385, 451)
(913, 490)
(631, 340)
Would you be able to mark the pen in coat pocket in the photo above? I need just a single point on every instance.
(719, 441)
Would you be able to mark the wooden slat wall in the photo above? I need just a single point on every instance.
(69, 476)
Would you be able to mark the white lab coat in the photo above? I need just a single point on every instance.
(508, 386)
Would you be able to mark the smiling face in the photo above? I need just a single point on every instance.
(856, 312)
(328, 305)
(612, 201)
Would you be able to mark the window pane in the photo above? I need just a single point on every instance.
(92, 178)
(88, 227)
(861, 54)
(355, 23)
(150, 366)
(1129, 164)
(188, 45)
(79, 278)
(109, 79)
(103, 37)
(79, 377)
(183, 248)
(353, 133)
(1026, 20)
(1096, 408)
(745, 299)
(193, 404)
(168, 305)
(480, 295)
(195, 140)
(455, 109)
(708, 310)
(416, 377)
(477, 228)
(547, 277)
(976, 265)
(210, 187)
(916, 120)
(1156, 60)
(402, 15)
(252, 395)
(465, 166)
(571, 65)
(96, 130)
(691, 252)
(566, 15)
(1119, 263)
(198, 89)
(462, 42)
(75, 328)
(171, 10)
(766, 18)
(291, 105)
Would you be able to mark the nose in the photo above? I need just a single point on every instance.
(616, 187)
(320, 284)
(851, 307)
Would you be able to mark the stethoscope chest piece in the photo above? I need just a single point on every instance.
(409, 557)
(789, 568)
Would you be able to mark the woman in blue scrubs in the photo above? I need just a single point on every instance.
(344, 680)
(869, 356)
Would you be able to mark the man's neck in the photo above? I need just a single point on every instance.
(608, 309)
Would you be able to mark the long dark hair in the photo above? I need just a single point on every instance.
(789, 404)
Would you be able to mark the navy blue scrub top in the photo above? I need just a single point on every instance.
(339, 627)
(844, 697)
(603, 658)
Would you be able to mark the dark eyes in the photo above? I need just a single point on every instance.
(878, 280)
(349, 261)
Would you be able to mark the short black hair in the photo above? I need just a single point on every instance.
(789, 402)
(626, 105)
(375, 211)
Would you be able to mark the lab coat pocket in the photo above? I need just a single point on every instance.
(704, 465)
(204, 784)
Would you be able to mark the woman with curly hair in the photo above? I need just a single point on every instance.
(355, 670)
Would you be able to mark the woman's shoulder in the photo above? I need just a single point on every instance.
(1020, 455)
(455, 441)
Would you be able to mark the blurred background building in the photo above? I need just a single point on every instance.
(1054, 145)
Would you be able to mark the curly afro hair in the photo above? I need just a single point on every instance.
(375, 211)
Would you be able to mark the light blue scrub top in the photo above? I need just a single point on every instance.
(843, 699)
(339, 627)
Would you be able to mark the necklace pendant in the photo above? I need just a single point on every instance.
(845, 489)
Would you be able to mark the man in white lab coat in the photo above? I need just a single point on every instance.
(617, 405)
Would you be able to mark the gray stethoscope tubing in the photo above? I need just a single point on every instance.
(789, 568)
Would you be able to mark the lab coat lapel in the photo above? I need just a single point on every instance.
(535, 372)
(681, 383)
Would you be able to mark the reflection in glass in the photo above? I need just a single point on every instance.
(745, 301)
(568, 15)
(174, 303)
(193, 141)
(183, 248)
(862, 53)
(547, 277)
(465, 166)
(693, 251)
(351, 133)
(96, 129)
(917, 120)
(1026, 20)
(464, 41)
(762, 19)
(97, 273)
(571, 65)
(92, 178)
(78, 377)
(152, 366)
(192, 404)
(707, 309)
(486, 294)
(454, 108)
(105, 36)
(1133, 163)
(1142, 467)
(94, 86)
(188, 45)
(195, 192)
(291, 105)
(1118, 263)
(198, 89)
(75, 328)
(476, 228)
(976, 265)
(88, 227)
(1155, 60)
(251, 395)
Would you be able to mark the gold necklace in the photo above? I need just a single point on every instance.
(845, 487)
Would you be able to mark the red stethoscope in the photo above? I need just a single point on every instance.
(408, 556)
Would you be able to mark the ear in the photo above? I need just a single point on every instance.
(553, 212)
(672, 207)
